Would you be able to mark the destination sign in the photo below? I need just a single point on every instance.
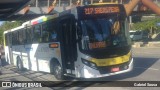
(101, 10)
(97, 45)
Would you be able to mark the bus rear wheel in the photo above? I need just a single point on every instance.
(57, 70)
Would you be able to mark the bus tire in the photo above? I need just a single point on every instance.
(57, 70)
(19, 64)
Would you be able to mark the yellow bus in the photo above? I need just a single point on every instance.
(89, 41)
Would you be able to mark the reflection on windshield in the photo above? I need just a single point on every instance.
(101, 33)
(98, 30)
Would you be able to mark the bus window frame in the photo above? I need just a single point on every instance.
(6, 35)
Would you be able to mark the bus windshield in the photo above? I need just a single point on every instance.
(103, 33)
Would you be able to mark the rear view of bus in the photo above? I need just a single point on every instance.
(104, 46)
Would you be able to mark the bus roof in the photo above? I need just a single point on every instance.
(17, 28)
(39, 20)
(13, 29)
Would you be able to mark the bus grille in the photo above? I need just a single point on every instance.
(107, 69)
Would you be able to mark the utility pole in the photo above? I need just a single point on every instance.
(91, 1)
(48, 3)
(70, 2)
(59, 3)
(36, 3)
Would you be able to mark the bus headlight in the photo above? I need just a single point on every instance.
(88, 63)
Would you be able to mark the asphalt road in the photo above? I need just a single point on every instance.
(146, 68)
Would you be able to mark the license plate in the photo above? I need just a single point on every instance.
(115, 69)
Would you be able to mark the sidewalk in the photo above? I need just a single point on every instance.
(147, 44)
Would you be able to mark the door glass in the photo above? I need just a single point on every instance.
(68, 40)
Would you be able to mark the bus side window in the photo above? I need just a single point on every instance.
(10, 43)
(20, 37)
(29, 37)
(12, 39)
(24, 36)
(52, 29)
(49, 33)
(45, 33)
(15, 38)
(37, 34)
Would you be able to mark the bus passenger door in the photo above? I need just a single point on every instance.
(68, 44)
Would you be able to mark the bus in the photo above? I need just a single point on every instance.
(89, 41)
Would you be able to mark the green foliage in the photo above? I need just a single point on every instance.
(7, 26)
(146, 25)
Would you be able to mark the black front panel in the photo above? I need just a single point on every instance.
(107, 69)
(100, 11)
(108, 52)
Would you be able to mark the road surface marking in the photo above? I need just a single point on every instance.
(147, 68)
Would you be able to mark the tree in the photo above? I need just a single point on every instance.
(7, 26)
(147, 25)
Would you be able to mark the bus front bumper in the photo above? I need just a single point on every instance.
(88, 72)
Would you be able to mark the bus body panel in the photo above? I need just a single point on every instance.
(88, 72)
(6, 49)
(36, 57)
(84, 71)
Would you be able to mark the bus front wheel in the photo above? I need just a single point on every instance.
(56, 69)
